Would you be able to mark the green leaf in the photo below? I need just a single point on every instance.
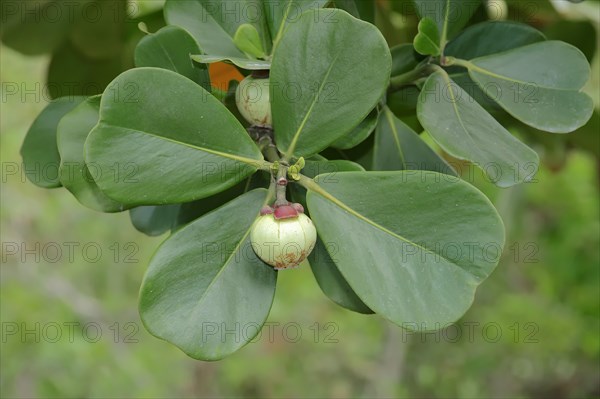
(404, 101)
(150, 20)
(492, 37)
(314, 168)
(359, 133)
(205, 290)
(41, 159)
(404, 58)
(71, 72)
(398, 147)
(363, 9)
(539, 84)
(154, 220)
(483, 39)
(317, 165)
(449, 15)
(413, 245)
(75, 175)
(280, 13)
(362, 154)
(155, 146)
(331, 281)
(321, 88)
(466, 131)
(170, 48)
(466, 83)
(213, 23)
(191, 211)
(427, 41)
(247, 39)
(244, 63)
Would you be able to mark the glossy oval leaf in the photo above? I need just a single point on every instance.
(483, 39)
(213, 23)
(331, 281)
(359, 134)
(41, 159)
(398, 147)
(539, 84)
(466, 131)
(205, 290)
(449, 15)
(168, 145)
(321, 87)
(282, 13)
(244, 63)
(413, 245)
(492, 37)
(75, 175)
(427, 40)
(170, 48)
(247, 39)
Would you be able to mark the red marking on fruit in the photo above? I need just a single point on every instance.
(266, 210)
(285, 212)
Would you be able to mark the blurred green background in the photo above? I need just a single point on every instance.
(70, 326)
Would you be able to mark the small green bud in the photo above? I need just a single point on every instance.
(294, 170)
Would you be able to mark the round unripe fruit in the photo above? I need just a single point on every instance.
(252, 100)
(283, 243)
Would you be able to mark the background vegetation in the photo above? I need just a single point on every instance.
(532, 332)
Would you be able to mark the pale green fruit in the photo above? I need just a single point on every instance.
(283, 243)
(252, 100)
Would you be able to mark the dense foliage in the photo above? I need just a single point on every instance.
(399, 232)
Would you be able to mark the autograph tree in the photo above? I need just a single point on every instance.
(242, 189)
